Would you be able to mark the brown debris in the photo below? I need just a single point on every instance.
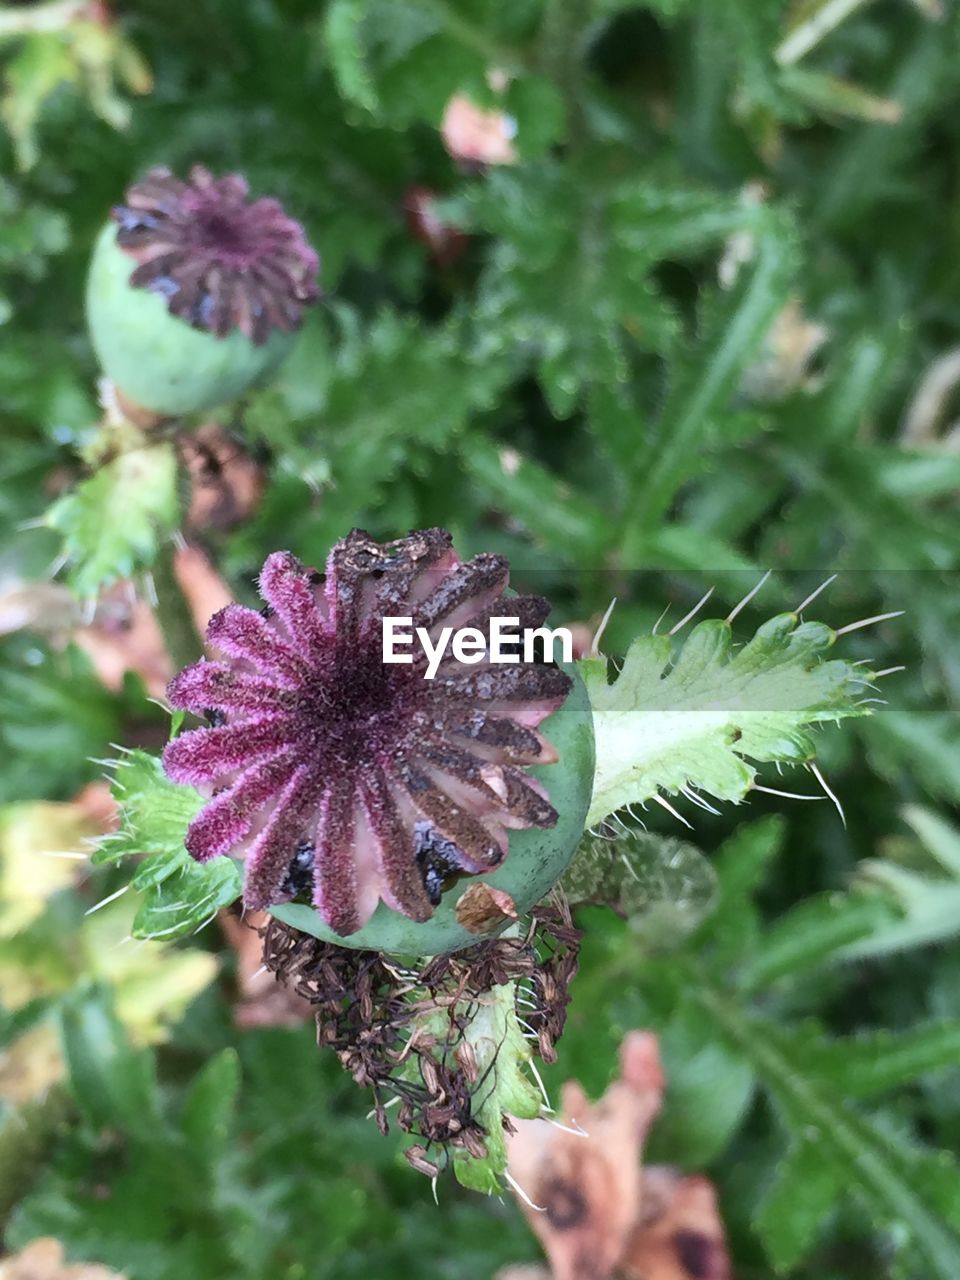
(122, 637)
(199, 581)
(122, 634)
(262, 1001)
(226, 483)
(400, 1031)
(603, 1216)
(43, 1260)
(482, 908)
(445, 243)
(679, 1235)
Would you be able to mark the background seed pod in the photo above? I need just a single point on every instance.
(157, 360)
(535, 863)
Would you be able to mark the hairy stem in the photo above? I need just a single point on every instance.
(180, 635)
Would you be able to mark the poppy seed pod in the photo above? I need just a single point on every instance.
(195, 292)
(365, 796)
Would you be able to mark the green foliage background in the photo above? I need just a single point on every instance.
(587, 391)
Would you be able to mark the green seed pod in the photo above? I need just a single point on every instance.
(194, 294)
(536, 861)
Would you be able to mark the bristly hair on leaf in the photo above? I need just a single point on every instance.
(700, 719)
(179, 895)
(115, 520)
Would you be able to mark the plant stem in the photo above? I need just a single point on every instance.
(811, 31)
(175, 620)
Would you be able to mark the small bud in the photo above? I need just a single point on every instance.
(195, 291)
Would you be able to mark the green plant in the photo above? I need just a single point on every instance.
(700, 323)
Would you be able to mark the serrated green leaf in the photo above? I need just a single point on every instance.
(180, 894)
(342, 30)
(501, 1053)
(806, 1190)
(930, 911)
(407, 59)
(209, 1106)
(814, 933)
(188, 899)
(743, 860)
(390, 398)
(703, 717)
(578, 291)
(741, 864)
(114, 521)
(873, 1063)
(902, 1186)
(492, 1032)
(155, 813)
(545, 504)
(929, 905)
(734, 327)
(921, 743)
(710, 1088)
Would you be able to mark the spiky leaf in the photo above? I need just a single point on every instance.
(179, 894)
(114, 521)
(705, 716)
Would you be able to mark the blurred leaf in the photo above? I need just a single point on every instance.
(895, 1182)
(546, 506)
(930, 905)
(208, 1108)
(711, 1086)
(814, 931)
(805, 1192)
(571, 274)
(698, 406)
(64, 46)
(874, 1063)
(54, 719)
(923, 744)
(42, 846)
(114, 521)
(664, 887)
(110, 1080)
